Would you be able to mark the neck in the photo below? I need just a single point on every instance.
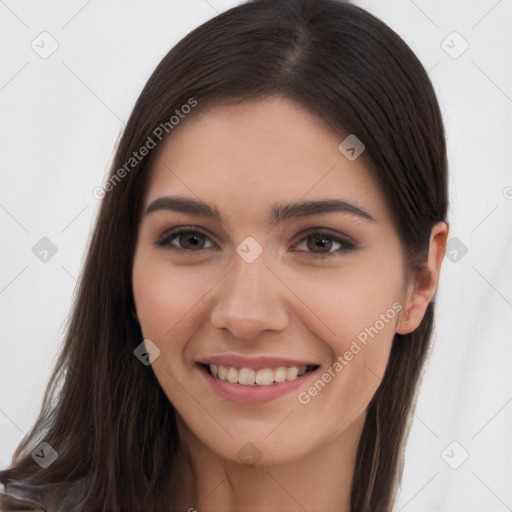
(319, 481)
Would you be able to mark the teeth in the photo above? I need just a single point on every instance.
(263, 377)
(280, 374)
(246, 376)
(223, 373)
(233, 375)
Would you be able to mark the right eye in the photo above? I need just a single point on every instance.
(185, 239)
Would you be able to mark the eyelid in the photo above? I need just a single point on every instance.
(306, 231)
(319, 229)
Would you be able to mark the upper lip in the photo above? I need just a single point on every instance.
(256, 363)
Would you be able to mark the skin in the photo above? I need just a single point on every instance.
(288, 302)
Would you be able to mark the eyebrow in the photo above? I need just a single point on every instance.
(278, 213)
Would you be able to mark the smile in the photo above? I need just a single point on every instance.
(248, 386)
(261, 377)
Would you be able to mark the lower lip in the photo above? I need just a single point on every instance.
(255, 394)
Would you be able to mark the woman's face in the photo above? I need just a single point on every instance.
(288, 261)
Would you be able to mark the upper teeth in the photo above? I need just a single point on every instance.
(263, 377)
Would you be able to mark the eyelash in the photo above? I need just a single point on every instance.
(347, 245)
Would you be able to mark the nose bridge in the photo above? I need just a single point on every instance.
(249, 300)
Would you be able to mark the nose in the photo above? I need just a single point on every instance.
(250, 301)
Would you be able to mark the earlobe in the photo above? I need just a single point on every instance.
(422, 290)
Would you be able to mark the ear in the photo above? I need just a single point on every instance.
(421, 291)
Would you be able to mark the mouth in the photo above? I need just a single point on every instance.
(257, 377)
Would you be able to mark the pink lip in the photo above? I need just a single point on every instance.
(254, 395)
(256, 363)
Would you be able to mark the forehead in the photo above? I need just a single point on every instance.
(252, 154)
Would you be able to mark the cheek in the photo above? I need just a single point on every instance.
(167, 299)
(358, 308)
(352, 299)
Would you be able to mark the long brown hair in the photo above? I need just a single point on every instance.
(104, 412)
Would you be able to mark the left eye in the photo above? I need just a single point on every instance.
(325, 244)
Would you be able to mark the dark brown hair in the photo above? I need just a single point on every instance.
(104, 412)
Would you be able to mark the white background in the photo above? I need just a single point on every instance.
(61, 117)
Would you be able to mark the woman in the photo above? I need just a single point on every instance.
(257, 300)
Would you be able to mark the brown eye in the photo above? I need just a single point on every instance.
(186, 240)
(324, 244)
(191, 240)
